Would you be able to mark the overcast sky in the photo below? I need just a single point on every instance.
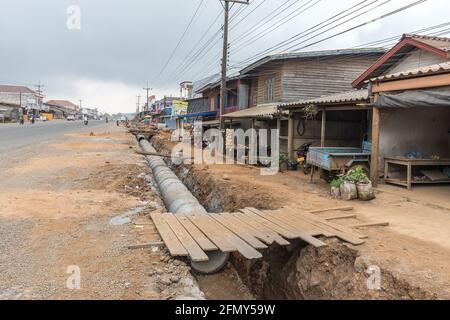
(121, 45)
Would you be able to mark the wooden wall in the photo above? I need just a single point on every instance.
(307, 79)
(416, 59)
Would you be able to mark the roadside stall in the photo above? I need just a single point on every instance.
(338, 127)
(411, 125)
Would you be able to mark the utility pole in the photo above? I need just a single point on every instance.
(223, 85)
(39, 91)
(148, 93)
(138, 104)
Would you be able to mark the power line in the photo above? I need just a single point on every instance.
(365, 23)
(207, 47)
(314, 28)
(181, 39)
(216, 58)
(347, 30)
(280, 23)
(189, 55)
(270, 18)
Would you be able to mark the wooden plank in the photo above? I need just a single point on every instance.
(434, 175)
(369, 224)
(344, 208)
(240, 245)
(286, 224)
(341, 232)
(313, 230)
(274, 227)
(374, 159)
(432, 81)
(195, 252)
(263, 233)
(339, 217)
(227, 221)
(336, 226)
(174, 245)
(145, 245)
(291, 129)
(254, 230)
(196, 234)
(323, 129)
(212, 233)
(316, 229)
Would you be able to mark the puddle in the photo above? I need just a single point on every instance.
(125, 218)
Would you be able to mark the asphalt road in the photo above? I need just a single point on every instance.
(15, 136)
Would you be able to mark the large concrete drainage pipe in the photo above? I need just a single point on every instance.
(178, 199)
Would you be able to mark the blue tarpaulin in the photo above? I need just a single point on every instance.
(199, 114)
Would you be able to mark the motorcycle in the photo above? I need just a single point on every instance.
(302, 154)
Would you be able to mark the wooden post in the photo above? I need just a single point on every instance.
(291, 125)
(324, 128)
(374, 163)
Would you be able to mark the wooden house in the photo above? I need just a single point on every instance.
(286, 78)
(402, 103)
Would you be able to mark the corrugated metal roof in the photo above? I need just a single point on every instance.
(423, 71)
(441, 43)
(211, 123)
(214, 82)
(344, 97)
(15, 89)
(62, 103)
(312, 54)
(261, 111)
(439, 46)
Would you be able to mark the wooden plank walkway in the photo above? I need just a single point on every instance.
(250, 230)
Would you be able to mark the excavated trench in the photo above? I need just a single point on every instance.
(298, 271)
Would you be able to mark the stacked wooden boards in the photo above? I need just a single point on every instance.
(246, 232)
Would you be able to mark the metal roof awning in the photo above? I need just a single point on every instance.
(265, 111)
(349, 97)
(199, 114)
(210, 123)
(413, 73)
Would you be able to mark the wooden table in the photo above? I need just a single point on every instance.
(409, 164)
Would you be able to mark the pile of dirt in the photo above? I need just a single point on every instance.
(334, 272)
(120, 177)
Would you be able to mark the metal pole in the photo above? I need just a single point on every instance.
(224, 66)
(148, 92)
(138, 104)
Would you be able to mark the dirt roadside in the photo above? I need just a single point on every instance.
(77, 204)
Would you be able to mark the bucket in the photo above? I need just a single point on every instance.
(365, 191)
(292, 165)
(349, 191)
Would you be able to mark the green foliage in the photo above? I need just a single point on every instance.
(357, 175)
(284, 157)
(336, 183)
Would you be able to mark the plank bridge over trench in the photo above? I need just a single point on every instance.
(249, 231)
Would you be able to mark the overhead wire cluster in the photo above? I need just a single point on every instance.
(199, 62)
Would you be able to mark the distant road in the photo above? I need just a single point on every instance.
(14, 136)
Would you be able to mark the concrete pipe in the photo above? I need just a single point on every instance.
(178, 199)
